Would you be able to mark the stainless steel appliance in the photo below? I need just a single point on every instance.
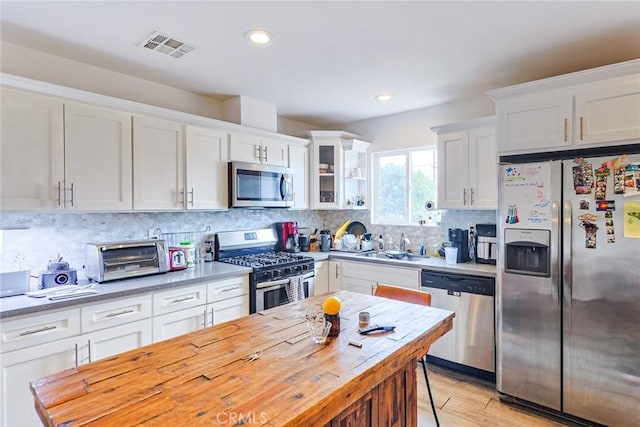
(125, 259)
(288, 237)
(254, 185)
(14, 282)
(58, 274)
(460, 240)
(486, 243)
(272, 270)
(568, 335)
(470, 345)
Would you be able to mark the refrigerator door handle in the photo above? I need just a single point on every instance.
(567, 274)
(555, 273)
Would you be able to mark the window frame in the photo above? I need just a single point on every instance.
(374, 191)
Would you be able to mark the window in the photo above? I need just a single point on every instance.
(403, 182)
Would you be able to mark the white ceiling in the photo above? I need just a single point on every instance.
(327, 59)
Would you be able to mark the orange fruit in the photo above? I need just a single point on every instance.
(331, 305)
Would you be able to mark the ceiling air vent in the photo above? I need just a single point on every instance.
(167, 45)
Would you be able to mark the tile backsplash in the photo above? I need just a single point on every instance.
(42, 236)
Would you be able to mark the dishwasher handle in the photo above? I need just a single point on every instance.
(454, 293)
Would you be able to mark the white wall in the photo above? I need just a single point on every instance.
(412, 128)
(41, 66)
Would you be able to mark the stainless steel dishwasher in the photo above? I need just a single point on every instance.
(470, 345)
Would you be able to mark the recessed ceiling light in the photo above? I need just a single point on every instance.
(383, 98)
(258, 36)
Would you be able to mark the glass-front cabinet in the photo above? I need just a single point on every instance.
(339, 170)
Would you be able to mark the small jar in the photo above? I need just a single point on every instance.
(189, 253)
(335, 324)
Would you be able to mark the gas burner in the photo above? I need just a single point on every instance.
(264, 259)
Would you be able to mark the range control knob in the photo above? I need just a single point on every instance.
(287, 270)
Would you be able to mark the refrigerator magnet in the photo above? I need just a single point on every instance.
(605, 205)
(590, 234)
(584, 204)
(608, 223)
(618, 179)
(581, 181)
(632, 220)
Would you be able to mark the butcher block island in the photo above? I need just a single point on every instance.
(262, 369)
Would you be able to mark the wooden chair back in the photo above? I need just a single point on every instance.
(403, 294)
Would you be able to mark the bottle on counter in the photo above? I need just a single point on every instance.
(189, 253)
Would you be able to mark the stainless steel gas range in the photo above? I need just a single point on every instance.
(272, 270)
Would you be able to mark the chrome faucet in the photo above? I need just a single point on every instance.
(403, 243)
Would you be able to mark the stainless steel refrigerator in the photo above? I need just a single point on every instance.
(568, 288)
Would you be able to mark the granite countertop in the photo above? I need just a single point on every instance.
(423, 263)
(22, 304)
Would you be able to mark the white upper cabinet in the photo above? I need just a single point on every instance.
(32, 151)
(607, 113)
(64, 155)
(467, 165)
(158, 164)
(97, 151)
(206, 166)
(535, 123)
(256, 149)
(338, 170)
(592, 108)
(299, 162)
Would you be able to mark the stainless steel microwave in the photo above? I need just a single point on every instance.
(252, 185)
(125, 259)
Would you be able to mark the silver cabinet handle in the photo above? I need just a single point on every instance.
(35, 331)
(258, 152)
(204, 318)
(373, 289)
(191, 192)
(120, 313)
(179, 300)
(471, 196)
(265, 154)
(72, 195)
(566, 129)
(183, 196)
(233, 288)
(581, 129)
(464, 196)
(59, 193)
(89, 348)
(337, 270)
(76, 351)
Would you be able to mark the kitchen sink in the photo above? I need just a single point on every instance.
(382, 255)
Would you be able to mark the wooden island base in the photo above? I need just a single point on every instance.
(203, 378)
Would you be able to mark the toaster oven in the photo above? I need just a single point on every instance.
(125, 259)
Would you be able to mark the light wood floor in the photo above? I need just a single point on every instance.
(466, 401)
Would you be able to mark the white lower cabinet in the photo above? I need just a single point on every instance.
(363, 277)
(179, 322)
(108, 342)
(321, 281)
(229, 309)
(228, 299)
(21, 366)
(335, 275)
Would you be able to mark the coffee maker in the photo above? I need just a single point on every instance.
(486, 244)
(288, 237)
(460, 240)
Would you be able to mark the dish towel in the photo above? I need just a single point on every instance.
(295, 288)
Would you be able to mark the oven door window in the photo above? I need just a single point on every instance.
(276, 296)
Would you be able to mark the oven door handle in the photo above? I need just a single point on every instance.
(282, 281)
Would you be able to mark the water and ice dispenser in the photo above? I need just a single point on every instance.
(527, 252)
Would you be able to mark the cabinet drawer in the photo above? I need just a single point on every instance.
(39, 328)
(405, 277)
(229, 309)
(179, 299)
(223, 289)
(118, 312)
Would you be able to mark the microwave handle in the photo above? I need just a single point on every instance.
(284, 188)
